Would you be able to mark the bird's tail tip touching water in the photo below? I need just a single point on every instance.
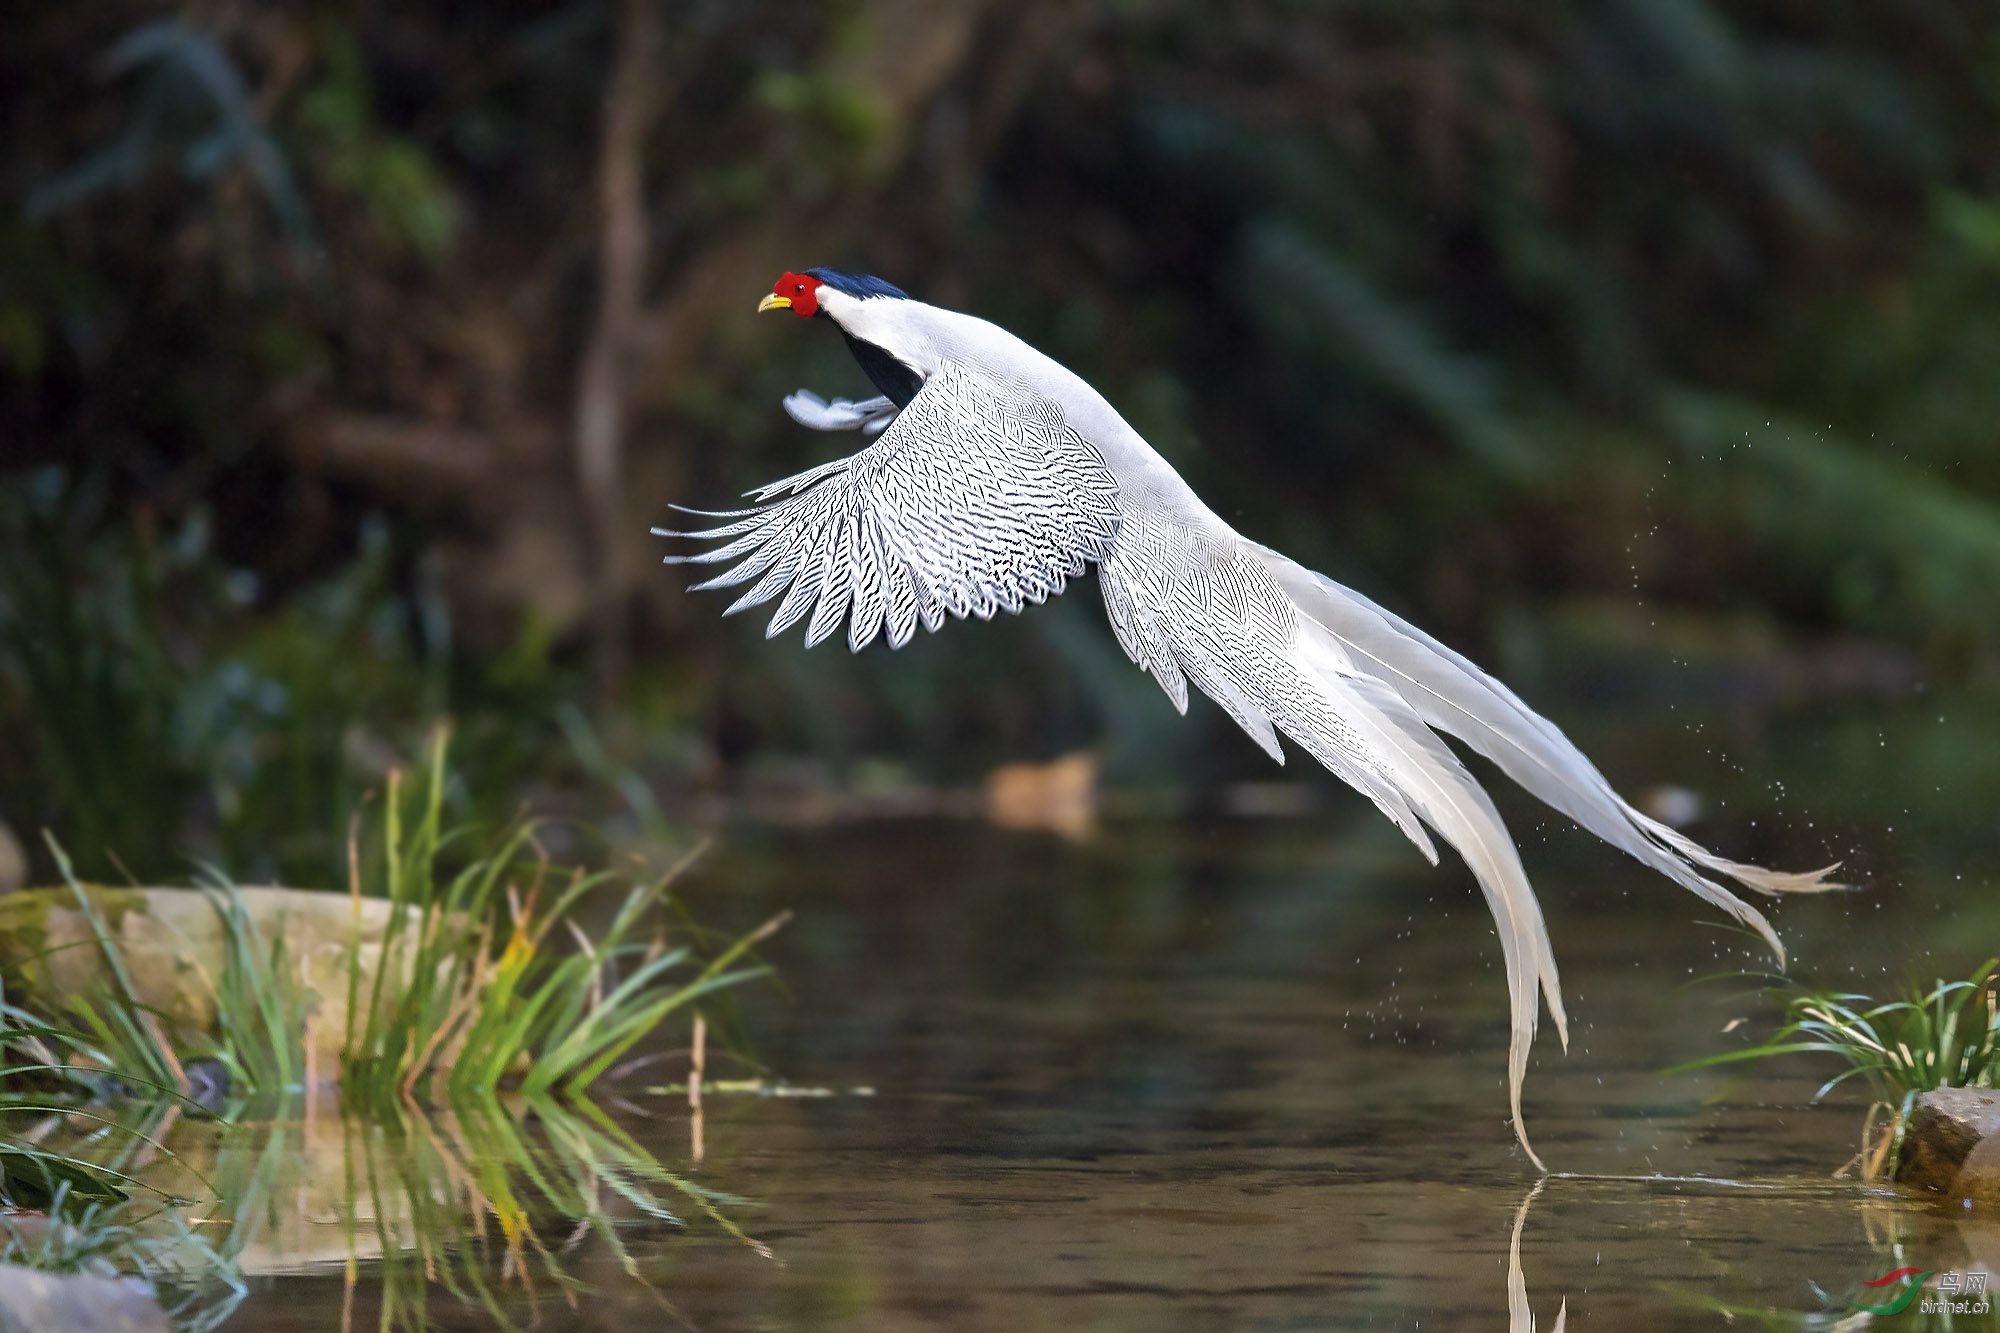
(1443, 690)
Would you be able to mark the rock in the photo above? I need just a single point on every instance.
(36, 1302)
(1059, 796)
(173, 941)
(1978, 1184)
(1946, 1126)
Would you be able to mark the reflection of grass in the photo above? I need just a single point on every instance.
(492, 1200)
(542, 1179)
(1948, 1036)
(1842, 1311)
(489, 1199)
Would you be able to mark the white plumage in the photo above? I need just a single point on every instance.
(1004, 475)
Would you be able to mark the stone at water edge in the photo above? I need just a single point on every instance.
(1947, 1129)
(1978, 1183)
(36, 1302)
(173, 942)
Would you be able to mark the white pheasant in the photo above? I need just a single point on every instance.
(998, 475)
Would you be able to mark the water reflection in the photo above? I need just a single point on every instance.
(1520, 1316)
(1950, 1255)
(1193, 1074)
(500, 1203)
(515, 1214)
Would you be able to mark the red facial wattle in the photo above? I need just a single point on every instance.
(802, 291)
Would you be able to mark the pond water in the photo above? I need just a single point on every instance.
(1190, 1073)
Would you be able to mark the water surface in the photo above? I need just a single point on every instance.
(1209, 1073)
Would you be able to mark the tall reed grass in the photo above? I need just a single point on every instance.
(486, 978)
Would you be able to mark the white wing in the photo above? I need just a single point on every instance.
(977, 498)
(869, 416)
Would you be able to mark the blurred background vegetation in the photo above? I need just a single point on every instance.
(1644, 348)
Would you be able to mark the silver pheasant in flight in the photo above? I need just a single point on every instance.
(996, 475)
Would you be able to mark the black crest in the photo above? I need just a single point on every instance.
(862, 285)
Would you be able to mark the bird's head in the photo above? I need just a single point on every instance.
(824, 291)
(883, 327)
(796, 292)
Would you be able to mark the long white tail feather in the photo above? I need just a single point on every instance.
(1284, 650)
(1453, 695)
(1451, 801)
(1394, 682)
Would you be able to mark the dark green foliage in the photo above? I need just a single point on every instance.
(191, 105)
(163, 707)
(1522, 314)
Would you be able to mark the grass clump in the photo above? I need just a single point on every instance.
(1945, 1037)
(493, 970)
(485, 976)
(70, 1210)
(198, 1283)
(262, 1009)
(59, 1071)
(469, 996)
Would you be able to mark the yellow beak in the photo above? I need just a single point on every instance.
(773, 301)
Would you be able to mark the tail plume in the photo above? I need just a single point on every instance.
(1446, 691)
(1285, 650)
(1453, 695)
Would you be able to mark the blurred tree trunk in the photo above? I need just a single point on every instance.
(601, 395)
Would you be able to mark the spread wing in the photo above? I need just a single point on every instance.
(869, 417)
(977, 498)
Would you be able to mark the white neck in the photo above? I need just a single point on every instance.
(907, 330)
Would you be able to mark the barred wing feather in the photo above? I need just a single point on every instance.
(976, 499)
